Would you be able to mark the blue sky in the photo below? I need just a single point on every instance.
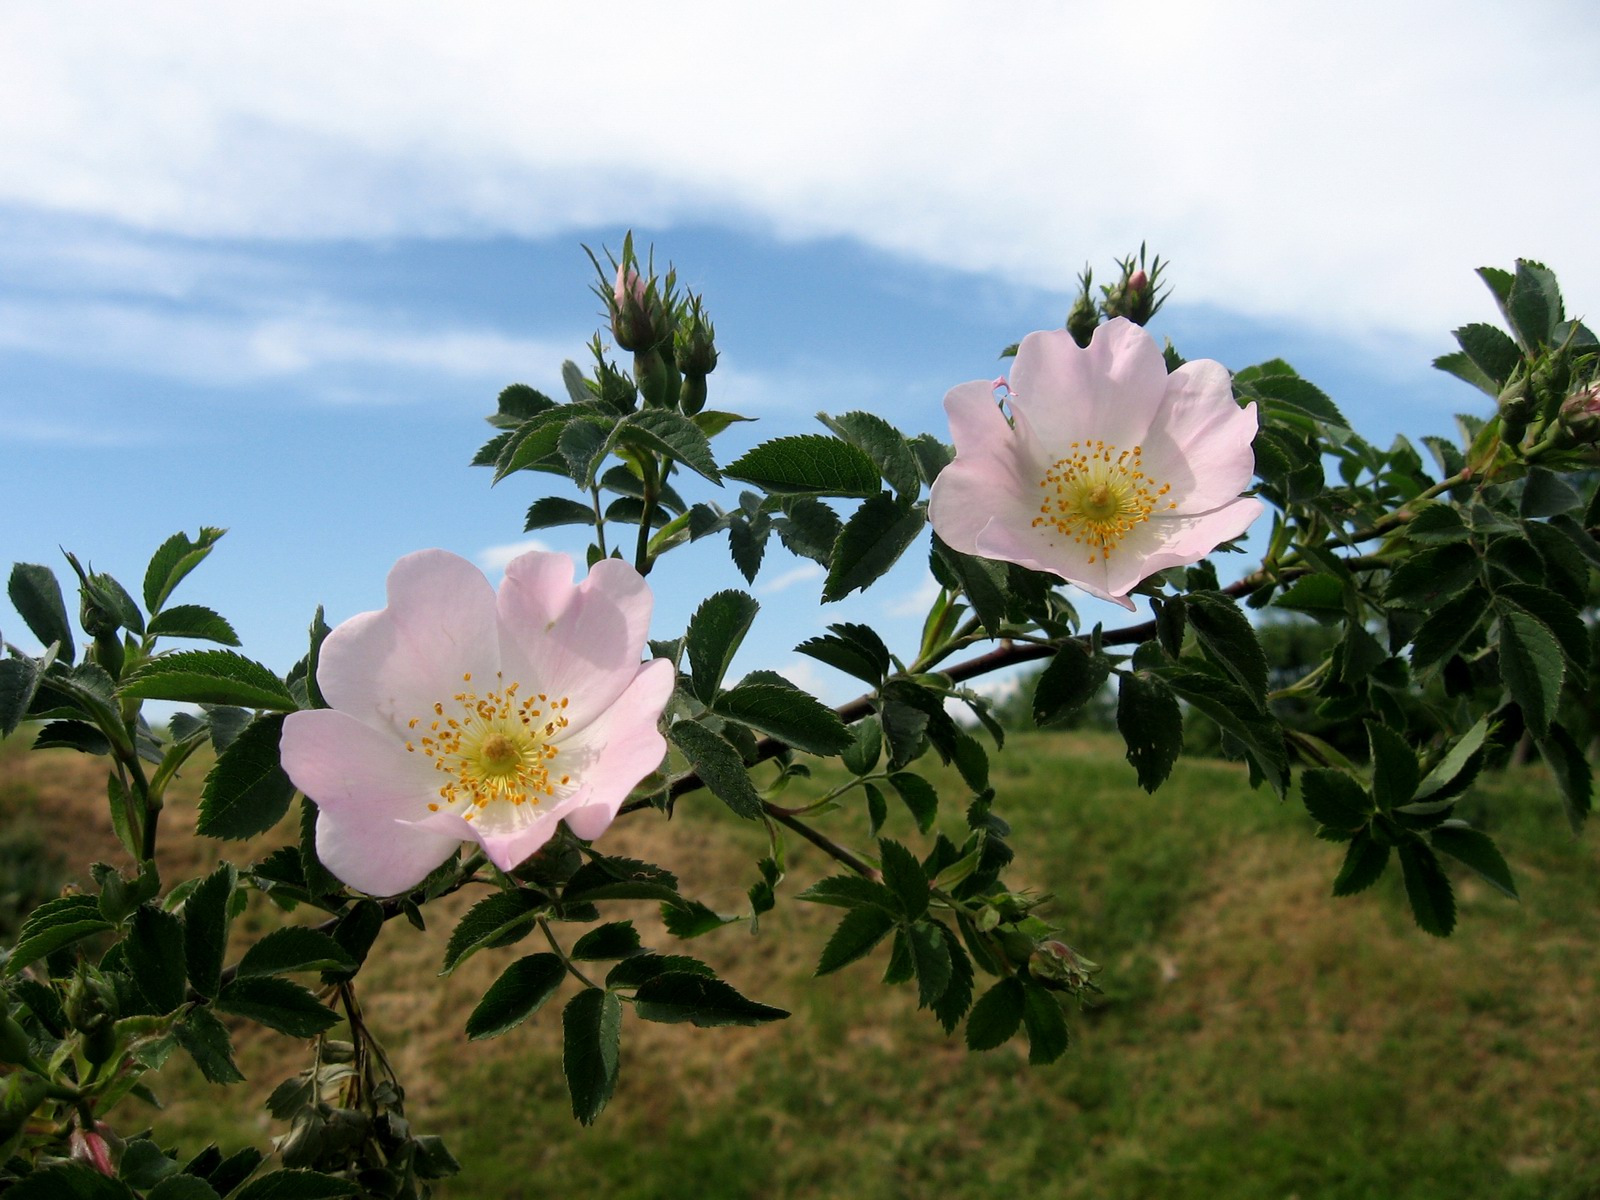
(268, 268)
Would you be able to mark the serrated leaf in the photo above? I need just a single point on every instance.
(1430, 577)
(1556, 615)
(715, 633)
(692, 920)
(534, 440)
(1072, 679)
(808, 528)
(1531, 666)
(193, 621)
(1258, 734)
(69, 1181)
(678, 997)
(154, 950)
(854, 649)
(276, 1003)
(549, 512)
(956, 998)
(1318, 595)
(919, 796)
(206, 1039)
(851, 891)
(668, 433)
(861, 930)
(1461, 759)
(930, 957)
(1436, 524)
(719, 766)
(36, 595)
(807, 465)
(294, 948)
(522, 989)
(206, 917)
(20, 678)
(182, 1187)
(631, 972)
(1395, 770)
(1490, 350)
(996, 1015)
(208, 677)
(884, 444)
(1427, 888)
(866, 746)
(54, 924)
(981, 580)
(613, 878)
(903, 875)
(1046, 1025)
(872, 541)
(296, 1185)
(1364, 862)
(591, 1026)
(1478, 851)
(790, 715)
(491, 920)
(1534, 304)
(614, 939)
(1447, 629)
(1227, 636)
(246, 791)
(1151, 725)
(1334, 799)
(1290, 391)
(1573, 774)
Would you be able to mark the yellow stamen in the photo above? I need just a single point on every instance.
(493, 749)
(1097, 494)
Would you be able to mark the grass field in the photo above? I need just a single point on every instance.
(1256, 1037)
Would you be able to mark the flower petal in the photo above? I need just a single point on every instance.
(582, 643)
(627, 745)
(388, 666)
(379, 857)
(1202, 443)
(1043, 550)
(1176, 541)
(1109, 391)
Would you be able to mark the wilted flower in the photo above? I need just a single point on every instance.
(1109, 469)
(462, 715)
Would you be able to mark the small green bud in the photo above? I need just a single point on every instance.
(658, 379)
(1580, 415)
(692, 395)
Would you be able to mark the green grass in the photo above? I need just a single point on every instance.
(1257, 1038)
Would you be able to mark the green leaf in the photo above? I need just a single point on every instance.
(356, 931)
(1557, 615)
(492, 920)
(1463, 368)
(591, 1026)
(1534, 304)
(206, 1039)
(808, 528)
(866, 746)
(611, 878)
(884, 444)
(1395, 770)
(1546, 494)
(522, 990)
(861, 930)
(1478, 851)
(54, 924)
(206, 917)
(677, 997)
(182, 1187)
(1073, 678)
(719, 766)
(1490, 350)
(668, 433)
(956, 998)
(851, 891)
(1046, 1024)
(1463, 760)
(177, 556)
(551, 511)
(534, 440)
(154, 949)
(20, 678)
(715, 633)
(36, 596)
(276, 1003)
(246, 791)
(996, 1015)
(296, 1185)
(788, 714)
(1448, 628)
(295, 948)
(614, 939)
(903, 875)
(1227, 636)
(1151, 725)
(872, 541)
(518, 401)
(1531, 666)
(631, 972)
(1573, 774)
(692, 920)
(193, 621)
(1436, 524)
(808, 465)
(919, 796)
(1430, 577)
(854, 649)
(981, 580)
(69, 1181)
(1427, 888)
(1334, 799)
(930, 958)
(1290, 392)
(1364, 862)
(1258, 733)
(208, 677)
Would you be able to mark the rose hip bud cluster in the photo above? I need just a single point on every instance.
(694, 352)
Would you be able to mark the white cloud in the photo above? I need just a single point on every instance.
(788, 579)
(914, 603)
(496, 558)
(1297, 163)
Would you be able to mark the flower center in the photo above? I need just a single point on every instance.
(493, 746)
(1097, 494)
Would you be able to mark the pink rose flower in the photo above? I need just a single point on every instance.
(462, 715)
(1109, 469)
